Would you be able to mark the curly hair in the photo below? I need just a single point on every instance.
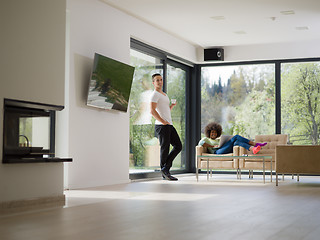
(213, 126)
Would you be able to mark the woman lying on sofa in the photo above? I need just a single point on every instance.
(213, 131)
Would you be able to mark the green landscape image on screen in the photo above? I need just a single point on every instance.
(110, 84)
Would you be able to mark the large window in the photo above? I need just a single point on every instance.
(300, 102)
(241, 98)
(144, 145)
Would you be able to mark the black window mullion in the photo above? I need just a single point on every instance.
(164, 77)
(278, 96)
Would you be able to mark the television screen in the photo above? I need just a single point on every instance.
(110, 84)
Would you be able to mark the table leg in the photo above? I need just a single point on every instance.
(276, 179)
(264, 171)
(271, 171)
(197, 170)
(207, 169)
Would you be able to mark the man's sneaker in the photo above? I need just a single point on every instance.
(172, 178)
(167, 175)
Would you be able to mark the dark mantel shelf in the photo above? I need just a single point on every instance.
(36, 160)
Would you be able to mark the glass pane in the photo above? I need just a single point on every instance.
(144, 146)
(241, 98)
(300, 108)
(176, 82)
(34, 131)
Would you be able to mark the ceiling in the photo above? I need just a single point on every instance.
(219, 23)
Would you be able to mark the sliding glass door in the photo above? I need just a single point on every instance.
(144, 145)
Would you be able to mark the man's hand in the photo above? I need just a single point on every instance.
(172, 105)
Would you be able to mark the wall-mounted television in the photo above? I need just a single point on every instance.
(110, 84)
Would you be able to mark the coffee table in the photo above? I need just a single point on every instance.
(212, 157)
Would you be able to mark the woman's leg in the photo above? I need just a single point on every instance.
(249, 145)
(243, 144)
(228, 146)
(237, 140)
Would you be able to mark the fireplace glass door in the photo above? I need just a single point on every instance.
(28, 132)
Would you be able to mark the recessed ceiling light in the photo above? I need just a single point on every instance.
(218, 18)
(240, 32)
(302, 28)
(288, 12)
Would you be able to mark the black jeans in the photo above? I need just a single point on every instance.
(167, 135)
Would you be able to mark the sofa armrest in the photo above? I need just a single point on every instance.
(242, 151)
(236, 150)
(199, 150)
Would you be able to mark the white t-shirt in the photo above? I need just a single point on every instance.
(163, 106)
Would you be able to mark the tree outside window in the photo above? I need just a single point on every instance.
(300, 107)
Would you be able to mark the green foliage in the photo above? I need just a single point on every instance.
(255, 115)
(139, 134)
(139, 137)
(300, 93)
(244, 104)
(176, 90)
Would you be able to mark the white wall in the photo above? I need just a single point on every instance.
(272, 51)
(289, 50)
(32, 69)
(99, 139)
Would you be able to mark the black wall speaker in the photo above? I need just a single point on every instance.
(213, 54)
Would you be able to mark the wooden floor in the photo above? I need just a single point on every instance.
(222, 208)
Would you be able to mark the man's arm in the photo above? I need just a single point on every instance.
(156, 115)
(208, 145)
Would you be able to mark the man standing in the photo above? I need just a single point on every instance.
(167, 134)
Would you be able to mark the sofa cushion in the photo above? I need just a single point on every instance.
(272, 140)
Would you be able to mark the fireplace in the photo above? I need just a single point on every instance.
(29, 132)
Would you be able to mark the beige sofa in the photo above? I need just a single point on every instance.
(297, 159)
(272, 140)
(239, 164)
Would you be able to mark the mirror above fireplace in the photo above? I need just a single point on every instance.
(29, 132)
